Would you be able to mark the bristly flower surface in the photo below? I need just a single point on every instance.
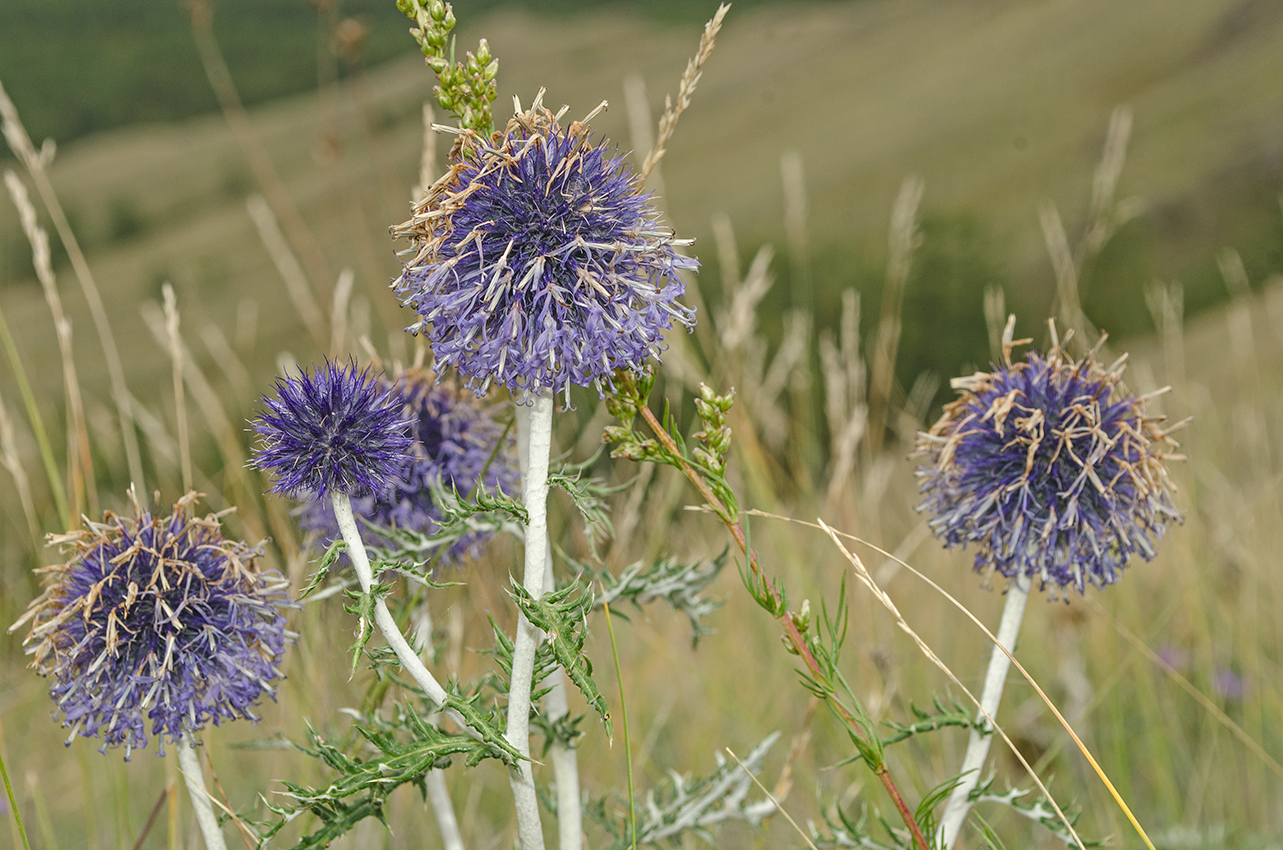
(1051, 468)
(537, 262)
(457, 444)
(338, 431)
(156, 626)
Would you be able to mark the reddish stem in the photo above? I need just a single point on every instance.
(790, 628)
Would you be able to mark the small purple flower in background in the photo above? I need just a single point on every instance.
(457, 444)
(158, 619)
(1051, 467)
(338, 431)
(537, 262)
(1229, 685)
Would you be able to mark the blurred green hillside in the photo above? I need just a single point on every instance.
(80, 67)
(999, 106)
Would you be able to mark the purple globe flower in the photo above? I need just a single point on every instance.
(1051, 468)
(157, 622)
(338, 431)
(537, 262)
(457, 444)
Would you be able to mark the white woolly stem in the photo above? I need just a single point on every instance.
(443, 806)
(534, 491)
(958, 807)
(382, 616)
(195, 778)
(438, 793)
(565, 760)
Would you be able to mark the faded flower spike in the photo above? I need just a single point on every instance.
(157, 622)
(338, 431)
(1051, 467)
(537, 262)
(457, 443)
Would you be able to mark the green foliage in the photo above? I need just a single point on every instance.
(953, 715)
(76, 67)
(679, 584)
(692, 805)
(562, 615)
(406, 747)
(467, 88)
(589, 496)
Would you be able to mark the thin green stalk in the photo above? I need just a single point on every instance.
(13, 805)
(37, 425)
(623, 716)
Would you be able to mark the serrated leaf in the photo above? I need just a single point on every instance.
(562, 617)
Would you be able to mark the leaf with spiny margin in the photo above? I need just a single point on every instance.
(363, 605)
(326, 561)
(684, 804)
(589, 497)
(944, 717)
(679, 584)
(1035, 810)
(502, 651)
(562, 615)
(362, 786)
(845, 831)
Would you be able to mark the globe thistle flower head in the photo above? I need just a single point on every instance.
(156, 626)
(457, 443)
(1050, 467)
(538, 263)
(336, 431)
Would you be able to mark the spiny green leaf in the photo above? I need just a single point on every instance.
(562, 617)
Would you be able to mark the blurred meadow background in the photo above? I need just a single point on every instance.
(872, 186)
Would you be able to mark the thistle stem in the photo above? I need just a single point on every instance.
(195, 778)
(565, 760)
(534, 491)
(438, 791)
(959, 805)
(382, 616)
(443, 806)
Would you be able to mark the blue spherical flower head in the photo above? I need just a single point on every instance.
(1051, 468)
(156, 626)
(338, 431)
(457, 444)
(537, 262)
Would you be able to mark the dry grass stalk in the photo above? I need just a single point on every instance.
(428, 157)
(238, 488)
(690, 79)
(11, 459)
(339, 312)
(180, 402)
(84, 488)
(995, 319)
(220, 79)
(288, 265)
(52, 475)
(862, 573)
(36, 163)
(1068, 300)
(227, 360)
(1239, 314)
(640, 121)
(904, 239)
(795, 210)
(737, 324)
(1105, 216)
(1166, 303)
(845, 403)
